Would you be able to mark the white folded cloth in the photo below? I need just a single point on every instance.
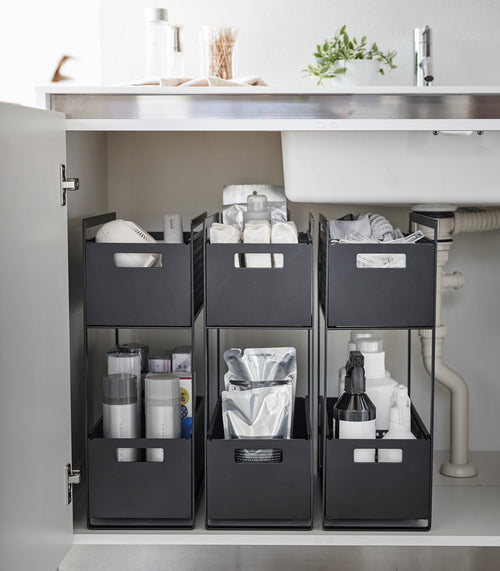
(257, 232)
(209, 81)
(284, 233)
(224, 233)
(341, 228)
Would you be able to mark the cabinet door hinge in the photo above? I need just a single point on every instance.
(72, 477)
(66, 184)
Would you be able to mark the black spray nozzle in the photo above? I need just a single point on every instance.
(356, 359)
(355, 382)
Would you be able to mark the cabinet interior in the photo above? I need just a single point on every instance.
(143, 175)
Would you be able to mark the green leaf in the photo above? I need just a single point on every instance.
(342, 30)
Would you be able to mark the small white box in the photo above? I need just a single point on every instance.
(160, 363)
(181, 359)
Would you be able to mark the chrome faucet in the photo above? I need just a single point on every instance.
(423, 63)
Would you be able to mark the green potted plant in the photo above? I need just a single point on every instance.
(338, 58)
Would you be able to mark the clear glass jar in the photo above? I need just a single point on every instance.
(156, 36)
(217, 51)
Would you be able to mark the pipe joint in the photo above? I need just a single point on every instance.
(453, 281)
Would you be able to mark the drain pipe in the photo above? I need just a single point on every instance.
(451, 222)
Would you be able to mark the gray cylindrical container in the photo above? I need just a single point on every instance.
(163, 410)
(129, 363)
(119, 412)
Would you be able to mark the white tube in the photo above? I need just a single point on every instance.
(458, 466)
(481, 221)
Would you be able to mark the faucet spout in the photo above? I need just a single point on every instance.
(423, 62)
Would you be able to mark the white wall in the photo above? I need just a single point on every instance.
(277, 37)
(34, 35)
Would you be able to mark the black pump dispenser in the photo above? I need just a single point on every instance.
(354, 405)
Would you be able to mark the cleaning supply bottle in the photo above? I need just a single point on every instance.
(257, 208)
(379, 386)
(351, 346)
(354, 413)
(399, 426)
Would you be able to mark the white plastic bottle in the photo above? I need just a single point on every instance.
(379, 387)
(399, 426)
(351, 346)
(354, 413)
(163, 410)
(119, 412)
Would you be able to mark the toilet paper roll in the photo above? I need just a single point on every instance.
(172, 229)
(224, 233)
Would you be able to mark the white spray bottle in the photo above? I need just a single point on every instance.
(400, 425)
(379, 387)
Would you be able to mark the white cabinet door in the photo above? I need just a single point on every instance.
(35, 431)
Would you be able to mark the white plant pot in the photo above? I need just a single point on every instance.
(362, 72)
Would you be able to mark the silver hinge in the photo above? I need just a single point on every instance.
(72, 477)
(67, 184)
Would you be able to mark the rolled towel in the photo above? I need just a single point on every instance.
(257, 232)
(382, 229)
(224, 233)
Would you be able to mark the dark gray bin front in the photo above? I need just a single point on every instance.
(257, 495)
(377, 495)
(259, 297)
(360, 297)
(144, 494)
(142, 297)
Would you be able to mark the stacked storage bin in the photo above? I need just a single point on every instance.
(376, 494)
(248, 494)
(144, 494)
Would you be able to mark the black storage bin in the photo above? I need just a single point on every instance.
(359, 297)
(143, 297)
(145, 494)
(378, 495)
(259, 297)
(254, 494)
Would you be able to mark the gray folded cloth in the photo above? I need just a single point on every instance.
(341, 228)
